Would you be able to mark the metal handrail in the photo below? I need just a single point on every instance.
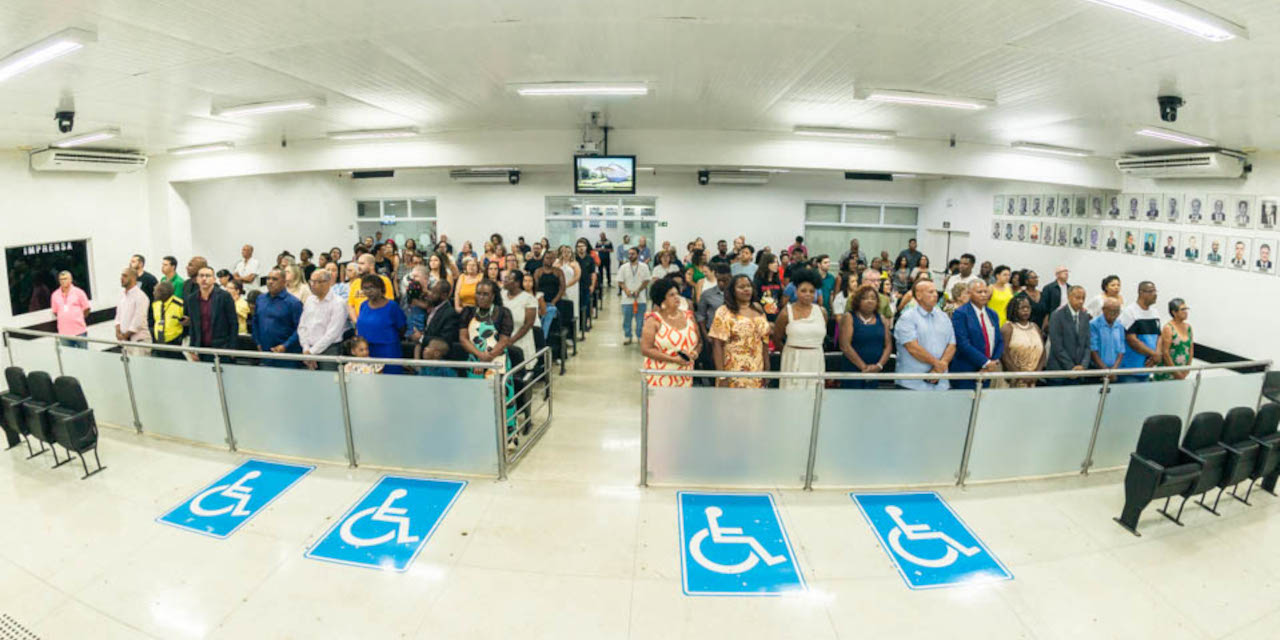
(976, 375)
(259, 355)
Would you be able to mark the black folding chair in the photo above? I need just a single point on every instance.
(35, 413)
(1200, 443)
(1265, 434)
(1242, 452)
(73, 424)
(11, 401)
(1157, 469)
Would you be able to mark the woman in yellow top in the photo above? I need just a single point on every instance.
(464, 295)
(1001, 292)
(242, 306)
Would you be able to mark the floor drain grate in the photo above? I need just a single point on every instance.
(11, 629)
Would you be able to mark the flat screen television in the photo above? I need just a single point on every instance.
(33, 272)
(604, 174)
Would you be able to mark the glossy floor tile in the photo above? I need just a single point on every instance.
(570, 547)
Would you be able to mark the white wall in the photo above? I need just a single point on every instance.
(317, 209)
(110, 210)
(1228, 309)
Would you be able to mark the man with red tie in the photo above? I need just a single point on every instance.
(978, 341)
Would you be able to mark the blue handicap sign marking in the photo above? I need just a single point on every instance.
(388, 526)
(928, 542)
(734, 544)
(224, 505)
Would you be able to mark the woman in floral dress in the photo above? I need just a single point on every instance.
(739, 334)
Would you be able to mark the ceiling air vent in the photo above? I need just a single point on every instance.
(86, 160)
(1207, 164)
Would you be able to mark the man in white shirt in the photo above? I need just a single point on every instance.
(324, 318)
(131, 314)
(966, 275)
(246, 271)
(1055, 295)
(634, 278)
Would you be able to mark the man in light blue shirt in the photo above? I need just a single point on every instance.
(1106, 337)
(926, 340)
(744, 265)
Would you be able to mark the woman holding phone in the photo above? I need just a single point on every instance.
(669, 339)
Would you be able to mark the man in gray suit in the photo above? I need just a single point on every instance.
(1069, 337)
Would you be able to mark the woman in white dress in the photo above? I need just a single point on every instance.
(802, 326)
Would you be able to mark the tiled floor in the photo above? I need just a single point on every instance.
(569, 547)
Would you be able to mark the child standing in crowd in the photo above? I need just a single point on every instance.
(358, 348)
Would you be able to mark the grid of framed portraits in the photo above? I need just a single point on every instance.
(1230, 231)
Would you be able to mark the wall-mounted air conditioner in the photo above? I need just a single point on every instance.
(87, 160)
(482, 175)
(1200, 164)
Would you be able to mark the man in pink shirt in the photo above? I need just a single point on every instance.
(70, 307)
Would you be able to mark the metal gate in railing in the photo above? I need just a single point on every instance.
(835, 437)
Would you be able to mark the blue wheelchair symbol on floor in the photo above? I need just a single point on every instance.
(927, 541)
(388, 526)
(734, 544)
(229, 502)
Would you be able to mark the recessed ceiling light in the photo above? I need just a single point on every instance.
(582, 89)
(927, 99)
(367, 134)
(253, 108)
(1052, 149)
(1182, 16)
(904, 176)
(841, 132)
(86, 138)
(1174, 136)
(201, 148)
(34, 55)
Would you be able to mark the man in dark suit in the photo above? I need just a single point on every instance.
(442, 321)
(1069, 338)
(979, 344)
(211, 314)
(1055, 294)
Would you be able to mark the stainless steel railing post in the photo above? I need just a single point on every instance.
(128, 383)
(1265, 371)
(549, 362)
(1097, 424)
(222, 401)
(57, 353)
(813, 436)
(500, 422)
(1195, 391)
(8, 347)
(644, 432)
(352, 459)
(963, 473)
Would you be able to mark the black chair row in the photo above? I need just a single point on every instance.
(1216, 452)
(52, 412)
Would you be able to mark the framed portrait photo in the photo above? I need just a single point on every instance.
(1150, 241)
(1112, 206)
(1240, 253)
(1034, 233)
(1173, 207)
(1129, 241)
(1218, 204)
(1215, 250)
(1267, 207)
(1064, 205)
(1170, 242)
(1111, 238)
(1151, 207)
(1242, 212)
(1192, 246)
(1264, 255)
(998, 206)
(1046, 232)
(1194, 208)
(1093, 237)
(1132, 206)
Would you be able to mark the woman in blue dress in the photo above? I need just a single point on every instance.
(864, 337)
(381, 323)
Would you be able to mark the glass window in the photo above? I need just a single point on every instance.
(907, 216)
(423, 208)
(396, 208)
(822, 213)
(861, 214)
(368, 208)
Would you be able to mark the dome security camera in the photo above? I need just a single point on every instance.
(1169, 107)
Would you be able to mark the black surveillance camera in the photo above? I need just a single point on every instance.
(704, 177)
(513, 177)
(66, 120)
(1169, 107)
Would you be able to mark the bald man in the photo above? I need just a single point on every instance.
(1106, 337)
(926, 340)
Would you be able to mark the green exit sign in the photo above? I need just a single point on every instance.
(662, 223)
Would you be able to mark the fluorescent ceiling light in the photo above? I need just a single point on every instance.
(86, 138)
(253, 108)
(1174, 136)
(927, 99)
(841, 132)
(34, 55)
(1053, 149)
(904, 176)
(367, 134)
(1181, 16)
(645, 169)
(201, 148)
(582, 89)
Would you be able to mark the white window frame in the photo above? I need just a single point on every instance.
(844, 215)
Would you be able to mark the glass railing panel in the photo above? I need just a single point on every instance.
(289, 412)
(101, 377)
(1223, 391)
(34, 355)
(1032, 432)
(178, 398)
(1127, 406)
(729, 437)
